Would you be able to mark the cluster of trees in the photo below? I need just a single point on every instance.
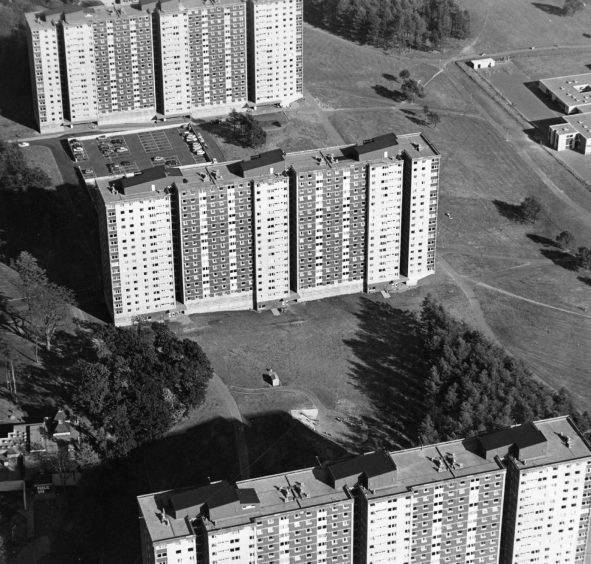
(568, 243)
(42, 306)
(571, 7)
(141, 381)
(473, 386)
(410, 88)
(416, 24)
(15, 173)
(246, 130)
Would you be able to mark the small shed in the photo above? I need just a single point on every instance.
(270, 376)
(486, 63)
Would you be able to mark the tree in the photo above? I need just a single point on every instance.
(404, 74)
(571, 7)
(433, 118)
(530, 209)
(584, 258)
(566, 240)
(46, 303)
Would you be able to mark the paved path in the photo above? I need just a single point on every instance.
(221, 391)
(467, 287)
(522, 298)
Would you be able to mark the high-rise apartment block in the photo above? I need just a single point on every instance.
(465, 501)
(275, 51)
(135, 224)
(299, 226)
(200, 55)
(101, 64)
(132, 62)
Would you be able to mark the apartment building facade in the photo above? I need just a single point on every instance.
(45, 68)
(136, 239)
(285, 518)
(452, 502)
(259, 233)
(132, 62)
(100, 60)
(200, 56)
(275, 51)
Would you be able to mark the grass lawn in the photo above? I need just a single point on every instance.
(555, 345)
(42, 157)
(513, 24)
(352, 356)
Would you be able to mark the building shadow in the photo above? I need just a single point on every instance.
(534, 88)
(279, 443)
(389, 370)
(16, 102)
(549, 9)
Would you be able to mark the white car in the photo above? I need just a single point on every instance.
(23, 144)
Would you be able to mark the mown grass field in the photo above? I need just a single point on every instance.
(555, 345)
(513, 24)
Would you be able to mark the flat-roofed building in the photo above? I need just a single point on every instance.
(107, 66)
(200, 50)
(46, 73)
(572, 93)
(419, 206)
(295, 517)
(275, 51)
(270, 185)
(573, 133)
(135, 226)
(516, 495)
(546, 517)
(439, 503)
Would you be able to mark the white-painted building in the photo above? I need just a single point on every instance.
(44, 63)
(275, 51)
(384, 215)
(421, 193)
(548, 492)
(201, 56)
(135, 225)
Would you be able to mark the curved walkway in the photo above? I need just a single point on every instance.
(222, 391)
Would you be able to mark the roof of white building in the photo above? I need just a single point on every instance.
(573, 90)
(576, 123)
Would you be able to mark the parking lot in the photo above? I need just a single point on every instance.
(123, 154)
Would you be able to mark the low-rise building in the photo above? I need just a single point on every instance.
(573, 133)
(572, 93)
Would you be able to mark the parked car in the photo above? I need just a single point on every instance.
(125, 163)
(122, 149)
(157, 159)
(23, 144)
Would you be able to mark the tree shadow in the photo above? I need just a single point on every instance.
(417, 121)
(385, 92)
(59, 228)
(549, 9)
(561, 258)
(388, 76)
(541, 240)
(584, 280)
(509, 211)
(16, 98)
(389, 371)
